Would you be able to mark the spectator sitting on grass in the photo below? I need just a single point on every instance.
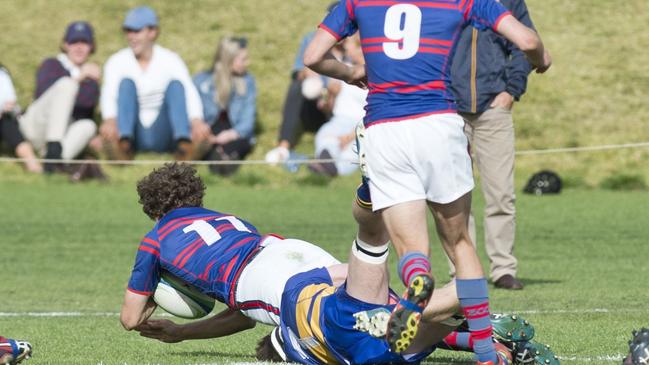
(60, 120)
(306, 106)
(229, 95)
(335, 139)
(9, 133)
(148, 98)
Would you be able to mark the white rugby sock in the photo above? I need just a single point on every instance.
(371, 254)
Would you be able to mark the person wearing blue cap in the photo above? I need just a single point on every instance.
(148, 101)
(59, 123)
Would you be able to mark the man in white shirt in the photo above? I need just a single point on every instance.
(148, 98)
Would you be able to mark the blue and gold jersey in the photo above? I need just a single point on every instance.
(317, 324)
(204, 248)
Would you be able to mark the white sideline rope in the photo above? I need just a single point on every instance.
(308, 161)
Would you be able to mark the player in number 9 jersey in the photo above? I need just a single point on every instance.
(413, 146)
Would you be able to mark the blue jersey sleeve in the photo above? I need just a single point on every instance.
(341, 22)
(146, 271)
(484, 14)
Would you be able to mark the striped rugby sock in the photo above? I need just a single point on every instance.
(474, 301)
(412, 264)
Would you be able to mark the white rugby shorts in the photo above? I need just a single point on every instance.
(260, 286)
(425, 158)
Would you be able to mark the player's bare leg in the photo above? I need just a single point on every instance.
(408, 229)
(452, 227)
(368, 278)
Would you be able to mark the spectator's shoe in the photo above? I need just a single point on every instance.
(53, 152)
(184, 150)
(534, 353)
(225, 169)
(508, 282)
(324, 168)
(404, 321)
(277, 155)
(14, 351)
(511, 330)
(125, 150)
(87, 171)
(504, 356)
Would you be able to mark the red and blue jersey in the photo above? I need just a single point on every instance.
(318, 325)
(204, 248)
(408, 48)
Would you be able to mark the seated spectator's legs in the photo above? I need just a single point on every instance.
(175, 105)
(291, 114)
(127, 109)
(311, 116)
(330, 138)
(77, 137)
(47, 118)
(11, 136)
(172, 125)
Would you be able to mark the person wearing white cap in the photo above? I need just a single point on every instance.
(148, 100)
(59, 123)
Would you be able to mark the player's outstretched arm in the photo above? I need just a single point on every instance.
(318, 57)
(136, 309)
(225, 323)
(527, 40)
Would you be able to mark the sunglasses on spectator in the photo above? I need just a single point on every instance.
(242, 41)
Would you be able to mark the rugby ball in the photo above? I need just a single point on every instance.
(181, 299)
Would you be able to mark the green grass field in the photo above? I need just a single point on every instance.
(68, 249)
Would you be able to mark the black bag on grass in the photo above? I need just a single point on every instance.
(543, 182)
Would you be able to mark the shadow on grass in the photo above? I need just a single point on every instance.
(432, 359)
(532, 282)
(216, 354)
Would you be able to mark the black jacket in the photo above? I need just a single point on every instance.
(486, 64)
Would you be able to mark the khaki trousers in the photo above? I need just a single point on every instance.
(491, 137)
(48, 119)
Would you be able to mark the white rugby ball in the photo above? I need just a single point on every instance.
(312, 87)
(181, 299)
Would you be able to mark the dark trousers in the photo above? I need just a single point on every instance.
(9, 132)
(299, 114)
(234, 150)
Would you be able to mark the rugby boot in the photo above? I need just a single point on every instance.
(535, 353)
(504, 356)
(404, 321)
(511, 330)
(13, 351)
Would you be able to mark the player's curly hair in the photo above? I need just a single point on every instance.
(266, 352)
(172, 186)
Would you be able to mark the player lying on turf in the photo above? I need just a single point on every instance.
(345, 320)
(14, 351)
(222, 255)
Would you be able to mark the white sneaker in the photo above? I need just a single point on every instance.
(277, 155)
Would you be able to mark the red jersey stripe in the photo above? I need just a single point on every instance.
(173, 224)
(334, 34)
(500, 18)
(421, 4)
(197, 242)
(409, 117)
(145, 293)
(150, 250)
(150, 241)
(190, 254)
